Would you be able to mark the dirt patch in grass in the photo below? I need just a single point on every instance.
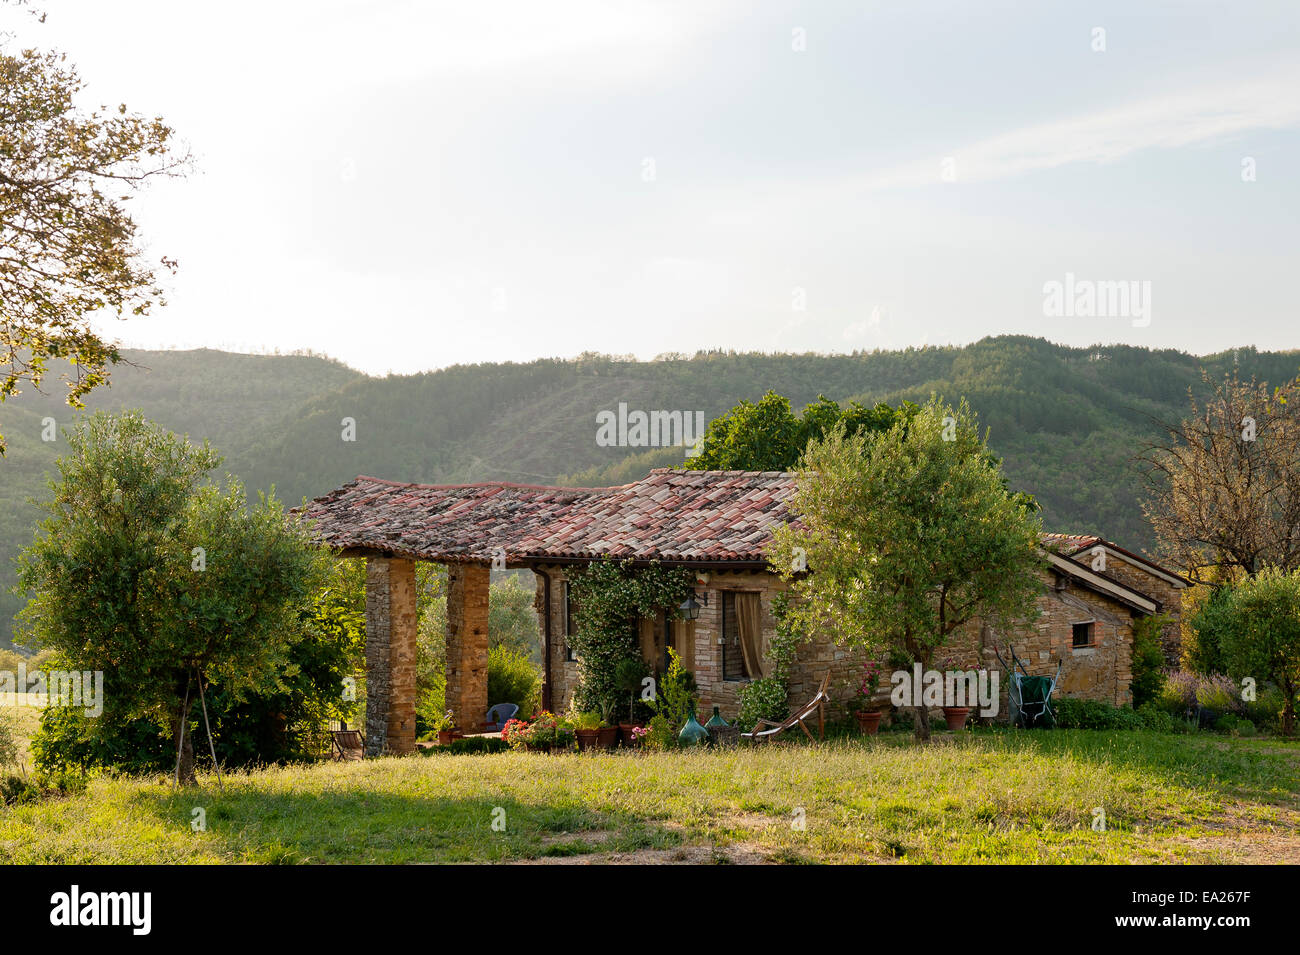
(1241, 839)
(734, 854)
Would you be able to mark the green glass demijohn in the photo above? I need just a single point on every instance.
(693, 734)
(716, 719)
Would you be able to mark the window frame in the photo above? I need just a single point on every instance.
(1091, 626)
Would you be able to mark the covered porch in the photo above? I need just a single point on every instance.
(716, 521)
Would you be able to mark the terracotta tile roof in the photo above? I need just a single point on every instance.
(1069, 543)
(720, 516)
(670, 515)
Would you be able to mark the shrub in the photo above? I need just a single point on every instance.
(1265, 711)
(761, 699)
(513, 678)
(1219, 695)
(8, 745)
(677, 694)
(1148, 659)
(1178, 694)
(469, 746)
(1095, 715)
(661, 733)
(1234, 724)
(1203, 653)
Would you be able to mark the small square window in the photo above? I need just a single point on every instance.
(1084, 634)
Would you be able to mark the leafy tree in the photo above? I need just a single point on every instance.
(1260, 636)
(907, 535)
(1203, 652)
(512, 621)
(164, 583)
(70, 248)
(768, 436)
(1224, 486)
(1148, 658)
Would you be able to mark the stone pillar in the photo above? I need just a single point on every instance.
(390, 656)
(467, 644)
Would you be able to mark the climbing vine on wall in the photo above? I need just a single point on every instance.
(610, 597)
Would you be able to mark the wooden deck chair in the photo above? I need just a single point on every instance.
(816, 705)
(346, 744)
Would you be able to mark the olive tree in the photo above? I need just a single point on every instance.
(907, 535)
(1259, 633)
(166, 582)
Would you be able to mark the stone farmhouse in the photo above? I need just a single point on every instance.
(716, 523)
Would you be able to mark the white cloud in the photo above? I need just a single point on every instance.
(1203, 116)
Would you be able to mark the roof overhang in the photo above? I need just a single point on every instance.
(1102, 585)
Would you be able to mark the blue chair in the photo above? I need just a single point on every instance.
(498, 716)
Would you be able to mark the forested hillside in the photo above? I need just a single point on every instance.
(1067, 421)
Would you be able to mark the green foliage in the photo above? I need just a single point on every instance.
(1260, 637)
(1095, 715)
(469, 746)
(676, 694)
(514, 678)
(277, 417)
(161, 581)
(70, 246)
(662, 735)
(512, 621)
(1203, 653)
(762, 699)
(1148, 659)
(768, 436)
(908, 534)
(611, 597)
(8, 744)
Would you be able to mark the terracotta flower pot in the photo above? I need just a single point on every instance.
(445, 737)
(956, 716)
(607, 737)
(625, 734)
(587, 739)
(868, 721)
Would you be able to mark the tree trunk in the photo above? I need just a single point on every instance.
(922, 723)
(1288, 715)
(185, 773)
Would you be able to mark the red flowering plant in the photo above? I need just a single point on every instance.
(546, 731)
(513, 733)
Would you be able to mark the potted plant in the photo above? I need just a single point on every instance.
(627, 677)
(446, 728)
(868, 714)
(586, 727)
(607, 732)
(515, 733)
(954, 716)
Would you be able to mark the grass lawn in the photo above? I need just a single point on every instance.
(985, 796)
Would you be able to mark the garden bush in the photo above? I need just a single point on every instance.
(1095, 715)
(761, 699)
(514, 678)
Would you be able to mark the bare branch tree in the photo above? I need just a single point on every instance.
(1224, 487)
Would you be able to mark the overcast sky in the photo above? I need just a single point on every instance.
(409, 185)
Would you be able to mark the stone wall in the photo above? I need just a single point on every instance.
(1099, 672)
(390, 656)
(467, 644)
(1138, 577)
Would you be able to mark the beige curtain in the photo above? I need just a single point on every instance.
(749, 624)
(684, 642)
(650, 653)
